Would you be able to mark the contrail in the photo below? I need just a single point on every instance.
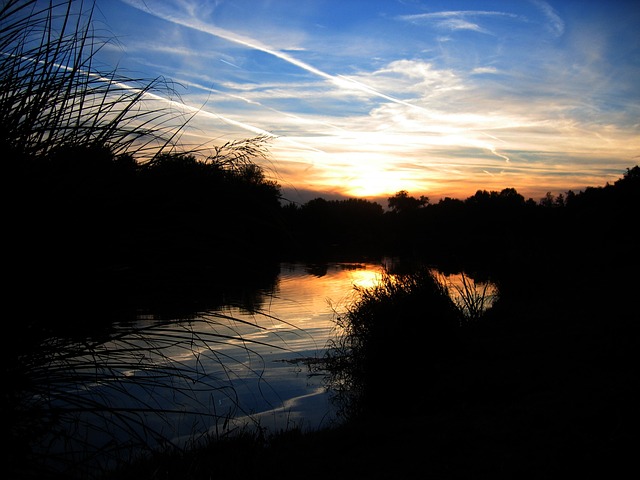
(246, 126)
(147, 94)
(257, 45)
(217, 116)
(504, 157)
(229, 63)
(253, 102)
(227, 35)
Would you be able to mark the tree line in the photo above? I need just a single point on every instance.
(488, 226)
(90, 209)
(102, 194)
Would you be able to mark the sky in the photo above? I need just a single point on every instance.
(366, 98)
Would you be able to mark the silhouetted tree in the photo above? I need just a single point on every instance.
(548, 200)
(403, 202)
(335, 227)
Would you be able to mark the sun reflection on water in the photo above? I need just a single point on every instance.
(365, 278)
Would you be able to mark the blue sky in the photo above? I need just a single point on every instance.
(364, 98)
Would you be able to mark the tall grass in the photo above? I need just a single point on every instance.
(52, 96)
(55, 95)
(84, 406)
(75, 403)
(472, 298)
(77, 139)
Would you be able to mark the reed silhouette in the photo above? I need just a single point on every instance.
(108, 212)
(107, 215)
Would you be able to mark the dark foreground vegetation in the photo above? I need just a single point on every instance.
(539, 386)
(105, 212)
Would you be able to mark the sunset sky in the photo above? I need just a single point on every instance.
(365, 98)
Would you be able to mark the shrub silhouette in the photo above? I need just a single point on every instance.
(392, 334)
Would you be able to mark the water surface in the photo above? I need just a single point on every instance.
(244, 363)
(159, 380)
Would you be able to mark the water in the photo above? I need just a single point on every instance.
(300, 322)
(243, 363)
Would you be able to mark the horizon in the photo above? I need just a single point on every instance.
(308, 195)
(364, 99)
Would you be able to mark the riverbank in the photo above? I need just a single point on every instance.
(541, 388)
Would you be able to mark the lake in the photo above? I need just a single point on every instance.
(212, 372)
(157, 380)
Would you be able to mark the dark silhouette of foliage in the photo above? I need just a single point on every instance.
(106, 208)
(104, 200)
(541, 385)
(402, 202)
(52, 96)
(492, 228)
(407, 319)
(334, 228)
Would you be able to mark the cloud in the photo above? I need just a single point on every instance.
(415, 77)
(455, 20)
(460, 24)
(556, 24)
(193, 22)
(438, 123)
(482, 70)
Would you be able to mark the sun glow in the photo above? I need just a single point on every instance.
(377, 182)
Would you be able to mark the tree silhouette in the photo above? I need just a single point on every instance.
(401, 202)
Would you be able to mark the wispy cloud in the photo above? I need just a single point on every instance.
(191, 21)
(455, 20)
(194, 23)
(482, 70)
(425, 109)
(555, 23)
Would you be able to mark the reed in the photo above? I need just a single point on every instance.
(75, 404)
(472, 298)
(87, 405)
(52, 95)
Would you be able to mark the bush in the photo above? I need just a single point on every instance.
(389, 338)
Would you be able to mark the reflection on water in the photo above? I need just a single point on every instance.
(299, 319)
(159, 379)
(472, 297)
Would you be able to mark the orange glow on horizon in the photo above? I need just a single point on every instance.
(379, 171)
(377, 183)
